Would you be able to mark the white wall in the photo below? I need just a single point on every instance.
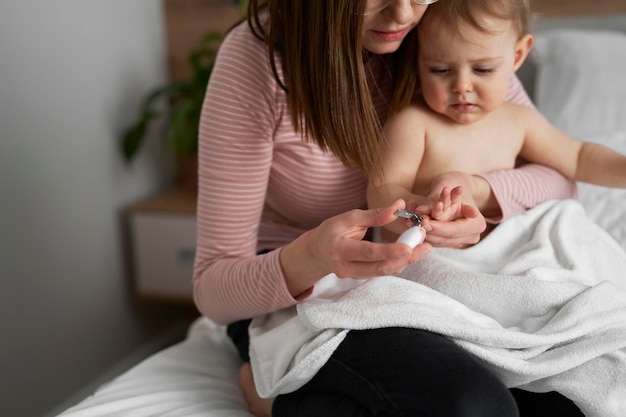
(71, 75)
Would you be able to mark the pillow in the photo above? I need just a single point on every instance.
(606, 206)
(580, 86)
(580, 82)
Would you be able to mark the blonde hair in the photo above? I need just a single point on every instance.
(318, 43)
(455, 13)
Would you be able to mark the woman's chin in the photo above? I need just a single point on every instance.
(381, 47)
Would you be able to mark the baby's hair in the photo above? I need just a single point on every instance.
(455, 13)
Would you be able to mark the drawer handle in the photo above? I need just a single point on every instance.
(186, 257)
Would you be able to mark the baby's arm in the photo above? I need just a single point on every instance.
(581, 161)
(600, 165)
(405, 134)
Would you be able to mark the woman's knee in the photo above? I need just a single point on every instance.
(422, 373)
(479, 395)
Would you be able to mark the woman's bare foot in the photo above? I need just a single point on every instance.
(260, 407)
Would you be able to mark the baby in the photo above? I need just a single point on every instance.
(459, 121)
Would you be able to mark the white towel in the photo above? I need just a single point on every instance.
(541, 301)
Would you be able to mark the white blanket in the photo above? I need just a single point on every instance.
(541, 301)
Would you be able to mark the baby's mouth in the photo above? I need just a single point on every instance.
(464, 107)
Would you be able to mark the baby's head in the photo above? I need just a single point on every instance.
(457, 15)
(468, 52)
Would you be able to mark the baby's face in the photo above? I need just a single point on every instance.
(465, 77)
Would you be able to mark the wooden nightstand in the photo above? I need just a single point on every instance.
(163, 230)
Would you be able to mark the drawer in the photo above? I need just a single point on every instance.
(163, 253)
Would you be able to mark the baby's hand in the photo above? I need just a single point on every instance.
(451, 218)
(448, 205)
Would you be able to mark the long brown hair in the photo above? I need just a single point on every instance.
(319, 46)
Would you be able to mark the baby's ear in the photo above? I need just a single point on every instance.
(522, 49)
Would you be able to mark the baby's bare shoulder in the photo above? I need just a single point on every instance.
(415, 114)
(519, 109)
(520, 113)
(417, 108)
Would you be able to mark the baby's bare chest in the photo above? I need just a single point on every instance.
(471, 149)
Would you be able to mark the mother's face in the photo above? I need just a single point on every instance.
(384, 31)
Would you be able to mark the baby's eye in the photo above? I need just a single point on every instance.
(484, 70)
(439, 70)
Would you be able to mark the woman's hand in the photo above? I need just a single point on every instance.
(462, 222)
(337, 246)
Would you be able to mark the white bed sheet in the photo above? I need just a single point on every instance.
(198, 376)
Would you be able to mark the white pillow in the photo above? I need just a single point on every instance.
(607, 206)
(581, 80)
(580, 87)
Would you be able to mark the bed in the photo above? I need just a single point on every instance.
(575, 76)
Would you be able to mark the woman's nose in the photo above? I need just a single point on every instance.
(401, 11)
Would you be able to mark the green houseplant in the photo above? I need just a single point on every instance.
(183, 104)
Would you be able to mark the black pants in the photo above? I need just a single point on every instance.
(406, 372)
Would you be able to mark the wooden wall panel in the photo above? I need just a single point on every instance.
(186, 21)
(554, 8)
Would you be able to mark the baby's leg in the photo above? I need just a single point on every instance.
(448, 204)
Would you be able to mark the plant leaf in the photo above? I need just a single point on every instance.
(134, 137)
(182, 100)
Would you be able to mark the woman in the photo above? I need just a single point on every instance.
(290, 132)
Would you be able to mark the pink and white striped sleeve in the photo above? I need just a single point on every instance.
(235, 156)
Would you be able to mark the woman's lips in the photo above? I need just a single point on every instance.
(391, 36)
